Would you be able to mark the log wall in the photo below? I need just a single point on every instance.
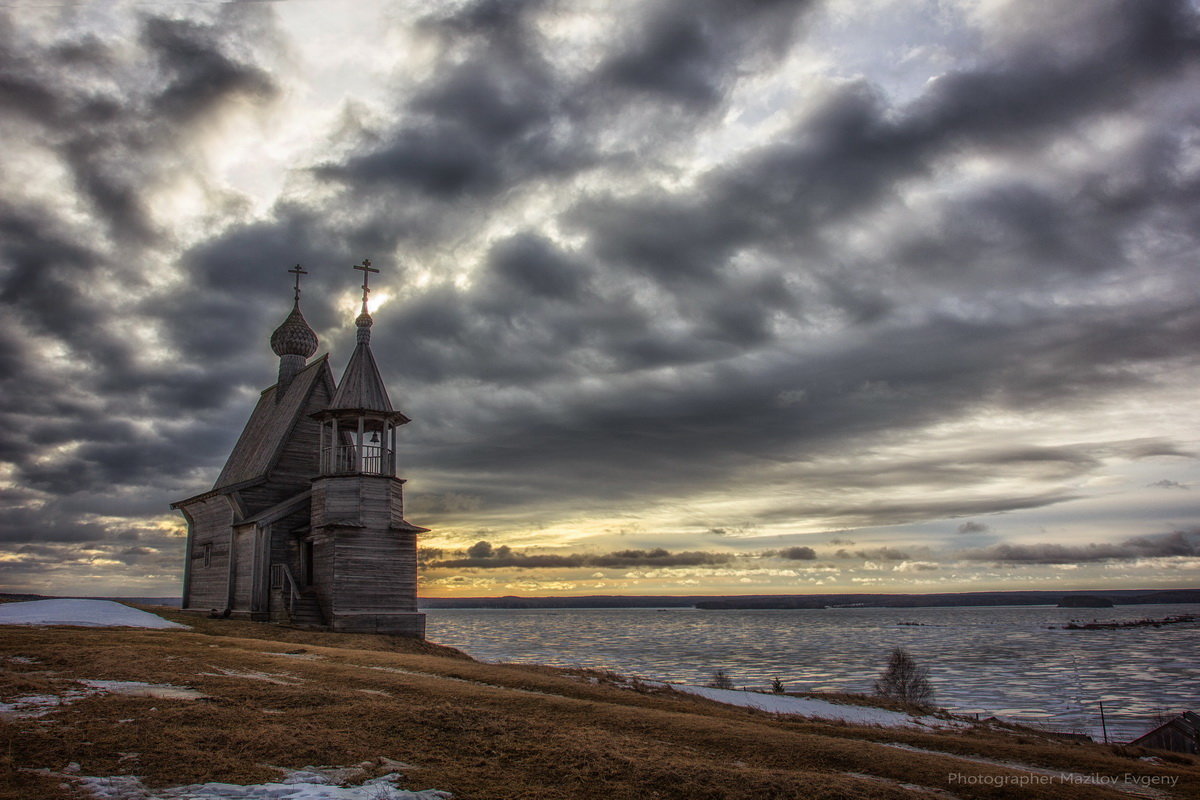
(208, 586)
(243, 566)
(373, 570)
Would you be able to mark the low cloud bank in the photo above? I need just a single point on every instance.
(1177, 544)
(483, 555)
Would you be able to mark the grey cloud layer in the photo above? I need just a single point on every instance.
(1180, 544)
(842, 285)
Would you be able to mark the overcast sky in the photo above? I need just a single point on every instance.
(690, 297)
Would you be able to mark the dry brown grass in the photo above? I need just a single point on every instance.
(478, 730)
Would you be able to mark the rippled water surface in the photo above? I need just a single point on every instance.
(1003, 661)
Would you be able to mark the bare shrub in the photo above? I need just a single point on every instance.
(720, 680)
(903, 679)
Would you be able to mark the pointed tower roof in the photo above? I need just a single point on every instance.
(361, 387)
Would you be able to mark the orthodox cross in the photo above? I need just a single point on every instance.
(366, 270)
(298, 271)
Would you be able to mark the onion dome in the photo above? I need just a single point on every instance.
(294, 337)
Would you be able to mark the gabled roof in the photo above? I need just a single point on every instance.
(262, 440)
(361, 387)
(1187, 725)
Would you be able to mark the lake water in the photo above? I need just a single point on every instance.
(1002, 661)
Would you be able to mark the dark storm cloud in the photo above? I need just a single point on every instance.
(483, 555)
(540, 313)
(797, 553)
(529, 265)
(1180, 544)
(904, 379)
(483, 123)
(118, 120)
(690, 52)
(851, 151)
(198, 76)
(498, 114)
(971, 526)
(112, 139)
(34, 524)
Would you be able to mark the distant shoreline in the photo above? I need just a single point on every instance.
(1119, 597)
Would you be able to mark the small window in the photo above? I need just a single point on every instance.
(207, 550)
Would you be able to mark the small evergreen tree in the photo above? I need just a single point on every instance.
(776, 685)
(905, 680)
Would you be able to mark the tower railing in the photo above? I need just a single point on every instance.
(369, 459)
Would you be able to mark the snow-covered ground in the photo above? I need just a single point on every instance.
(820, 709)
(127, 787)
(310, 783)
(88, 613)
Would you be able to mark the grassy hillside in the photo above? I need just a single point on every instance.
(287, 698)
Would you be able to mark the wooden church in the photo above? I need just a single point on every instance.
(305, 524)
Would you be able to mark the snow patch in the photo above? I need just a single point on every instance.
(86, 613)
(39, 705)
(821, 709)
(164, 691)
(310, 783)
(128, 787)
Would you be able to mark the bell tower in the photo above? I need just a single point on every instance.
(360, 553)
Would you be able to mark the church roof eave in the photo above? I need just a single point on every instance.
(394, 417)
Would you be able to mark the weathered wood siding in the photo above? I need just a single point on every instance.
(375, 572)
(243, 566)
(396, 506)
(323, 549)
(299, 460)
(208, 585)
(374, 569)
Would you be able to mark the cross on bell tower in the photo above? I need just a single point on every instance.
(367, 269)
(364, 321)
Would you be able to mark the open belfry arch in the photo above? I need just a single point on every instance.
(305, 524)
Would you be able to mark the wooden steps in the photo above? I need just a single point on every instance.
(306, 611)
